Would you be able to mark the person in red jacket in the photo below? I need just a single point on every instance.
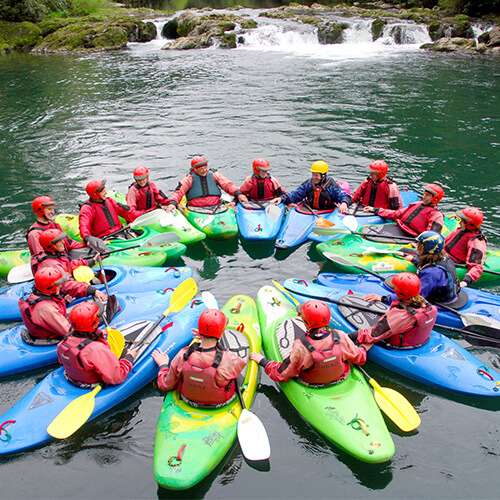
(419, 216)
(44, 310)
(202, 187)
(466, 245)
(378, 190)
(99, 215)
(203, 373)
(321, 356)
(43, 206)
(143, 195)
(261, 186)
(85, 353)
(409, 321)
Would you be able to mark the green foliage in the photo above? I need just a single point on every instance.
(86, 7)
(18, 36)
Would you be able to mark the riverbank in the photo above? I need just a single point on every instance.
(112, 29)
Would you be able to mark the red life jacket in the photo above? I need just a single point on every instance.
(425, 317)
(414, 221)
(37, 226)
(146, 198)
(198, 383)
(328, 365)
(69, 354)
(262, 189)
(26, 306)
(457, 248)
(105, 218)
(375, 194)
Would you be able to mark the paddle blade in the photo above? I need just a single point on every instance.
(209, 300)
(252, 437)
(396, 407)
(350, 222)
(471, 319)
(160, 239)
(207, 221)
(273, 212)
(19, 274)
(148, 218)
(116, 341)
(83, 274)
(167, 219)
(337, 258)
(322, 222)
(73, 416)
(329, 231)
(181, 296)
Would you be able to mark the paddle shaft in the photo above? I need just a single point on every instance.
(387, 237)
(493, 341)
(313, 211)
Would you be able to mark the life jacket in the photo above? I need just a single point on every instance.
(146, 199)
(26, 307)
(37, 226)
(449, 292)
(318, 196)
(105, 218)
(375, 195)
(63, 258)
(328, 364)
(414, 221)
(69, 352)
(198, 383)
(203, 186)
(425, 317)
(262, 189)
(457, 248)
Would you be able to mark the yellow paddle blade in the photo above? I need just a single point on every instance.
(73, 416)
(83, 274)
(116, 341)
(283, 290)
(396, 407)
(181, 296)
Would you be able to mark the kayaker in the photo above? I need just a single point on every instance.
(378, 190)
(43, 206)
(436, 271)
(99, 215)
(54, 256)
(418, 216)
(320, 356)
(143, 195)
(85, 353)
(202, 187)
(409, 321)
(321, 192)
(204, 373)
(261, 186)
(466, 245)
(44, 310)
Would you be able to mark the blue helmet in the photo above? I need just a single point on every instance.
(432, 240)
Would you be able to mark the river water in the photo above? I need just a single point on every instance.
(67, 119)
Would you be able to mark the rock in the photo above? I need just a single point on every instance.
(228, 41)
(484, 38)
(19, 36)
(458, 27)
(494, 37)
(331, 33)
(186, 23)
(190, 42)
(169, 29)
(377, 28)
(452, 45)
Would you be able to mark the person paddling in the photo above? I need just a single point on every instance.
(203, 187)
(378, 190)
(320, 356)
(204, 373)
(85, 353)
(419, 216)
(321, 192)
(409, 321)
(143, 195)
(467, 244)
(261, 186)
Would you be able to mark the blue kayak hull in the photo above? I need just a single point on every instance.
(255, 225)
(35, 411)
(126, 279)
(440, 363)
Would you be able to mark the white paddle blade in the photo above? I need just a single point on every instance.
(471, 319)
(350, 222)
(329, 231)
(209, 300)
(167, 219)
(273, 212)
(148, 218)
(252, 437)
(161, 239)
(19, 274)
(207, 221)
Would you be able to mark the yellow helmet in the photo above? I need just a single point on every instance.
(321, 167)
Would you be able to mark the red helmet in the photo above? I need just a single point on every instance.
(473, 217)
(314, 314)
(84, 317)
(39, 203)
(50, 237)
(260, 164)
(437, 191)
(380, 168)
(94, 189)
(198, 161)
(141, 173)
(47, 280)
(406, 285)
(212, 323)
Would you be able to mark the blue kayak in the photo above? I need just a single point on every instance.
(18, 356)
(25, 424)
(254, 223)
(363, 219)
(121, 279)
(440, 363)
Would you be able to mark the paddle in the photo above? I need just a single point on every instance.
(350, 222)
(142, 220)
(344, 262)
(474, 337)
(391, 402)
(76, 413)
(321, 222)
(252, 435)
(326, 231)
(19, 274)
(273, 212)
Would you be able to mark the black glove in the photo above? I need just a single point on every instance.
(353, 335)
(95, 243)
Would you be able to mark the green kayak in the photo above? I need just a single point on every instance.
(218, 223)
(345, 413)
(190, 442)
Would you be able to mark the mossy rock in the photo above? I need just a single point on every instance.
(377, 28)
(51, 25)
(248, 24)
(331, 33)
(19, 36)
(169, 29)
(138, 31)
(484, 37)
(187, 22)
(310, 20)
(228, 41)
(226, 26)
